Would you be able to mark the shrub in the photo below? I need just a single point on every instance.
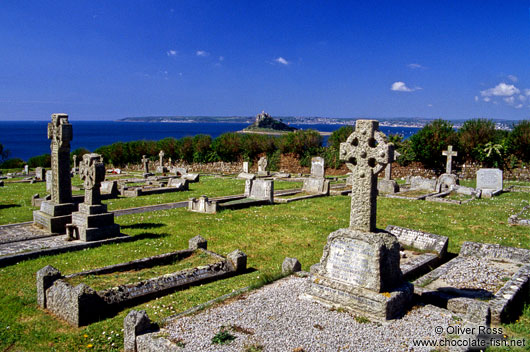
(43, 160)
(227, 147)
(185, 149)
(202, 146)
(473, 136)
(429, 142)
(301, 142)
(14, 163)
(518, 141)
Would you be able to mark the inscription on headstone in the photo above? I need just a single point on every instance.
(351, 261)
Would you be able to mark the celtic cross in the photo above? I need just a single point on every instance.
(60, 134)
(92, 172)
(145, 162)
(366, 152)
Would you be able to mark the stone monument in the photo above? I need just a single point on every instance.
(489, 182)
(92, 222)
(74, 167)
(56, 213)
(387, 184)
(245, 167)
(316, 183)
(449, 153)
(145, 164)
(262, 166)
(161, 168)
(359, 269)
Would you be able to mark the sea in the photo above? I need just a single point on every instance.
(25, 139)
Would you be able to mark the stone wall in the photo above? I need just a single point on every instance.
(289, 163)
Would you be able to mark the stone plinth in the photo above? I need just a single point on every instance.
(53, 217)
(93, 223)
(360, 271)
(202, 205)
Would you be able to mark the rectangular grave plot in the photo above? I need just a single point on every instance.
(450, 198)
(486, 274)
(413, 194)
(85, 297)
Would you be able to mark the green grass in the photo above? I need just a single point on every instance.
(15, 198)
(267, 234)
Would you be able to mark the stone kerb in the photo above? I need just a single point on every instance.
(81, 305)
(419, 239)
(503, 306)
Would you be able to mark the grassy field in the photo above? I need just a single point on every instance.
(266, 234)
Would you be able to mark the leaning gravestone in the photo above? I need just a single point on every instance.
(489, 181)
(56, 213)
(92, 222)
(359, 269)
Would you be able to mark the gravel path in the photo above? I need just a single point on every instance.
(276, 319)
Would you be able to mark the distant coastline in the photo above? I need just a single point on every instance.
(309, 120)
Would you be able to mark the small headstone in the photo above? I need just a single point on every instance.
(238, 260)
(260, 189)
(262, 166)
(489, 179)
(245, 167)
(317, 167)
(449, 153)
(40, 173)
(197, 242)
(145, 164)
(191, 177)
(26, 169)
(110, 188)
(246, 176)
(161, 156)
(290, 265)
(49, 182)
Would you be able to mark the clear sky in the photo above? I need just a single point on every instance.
(112, 59)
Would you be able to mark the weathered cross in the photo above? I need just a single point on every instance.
(74, 158)
(388, 168)
(449, 153)
(366, 152)
(161, 155)
(92, 172)
(60, 133)
(145, 162)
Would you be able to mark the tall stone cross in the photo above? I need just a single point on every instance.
(449, 153)
(60, 133)
(366, 152)
(161, 155)
(145, 162)
(74, 159)
(92, 172)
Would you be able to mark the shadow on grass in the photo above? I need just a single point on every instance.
(144, 225)
(5, 206)
(149, 235)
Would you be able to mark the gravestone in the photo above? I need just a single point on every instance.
(161, 168)
(387, 184)
(449, 153)
(180, 171)
(26, 169)
(40, 173)
(260, 189)
(92, 222)
(110, 188)
(145, 164)
(56, 213)
(317, 167)
(49, 177)
(245, 167)
(359, 269)
(262, 166)
(74, 167)
(489, 181)
(202, 205)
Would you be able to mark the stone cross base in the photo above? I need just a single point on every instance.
(387, 186)
(53, 217)
(92, 223)
(359, 271)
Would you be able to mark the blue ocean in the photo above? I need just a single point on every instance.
(25, 139)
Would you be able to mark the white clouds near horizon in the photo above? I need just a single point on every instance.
(509, 93)
(202, 53)
(171, 53)
(282, 61)
(415, 66)
(500, 90)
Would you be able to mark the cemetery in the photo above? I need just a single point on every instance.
(350, 270)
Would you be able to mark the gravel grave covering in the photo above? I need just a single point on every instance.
(478, 274)
(275, 318)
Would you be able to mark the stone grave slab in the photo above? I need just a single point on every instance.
(521, 218)
(173, 185)
(433, 249)
(485, 282)
(81, 305)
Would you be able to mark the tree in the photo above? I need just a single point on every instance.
(44, 160)
(227, 146)
(518, 141)
(202, 146)
(473, 136)
(331, 153)
(429, 142)
(4, 153)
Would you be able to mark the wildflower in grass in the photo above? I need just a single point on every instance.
(85, 336)
(89, 345)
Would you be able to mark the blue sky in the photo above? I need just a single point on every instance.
(112, 59)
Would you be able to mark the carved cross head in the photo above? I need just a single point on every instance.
(161, 154)
(92, 170)
(366, 151)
